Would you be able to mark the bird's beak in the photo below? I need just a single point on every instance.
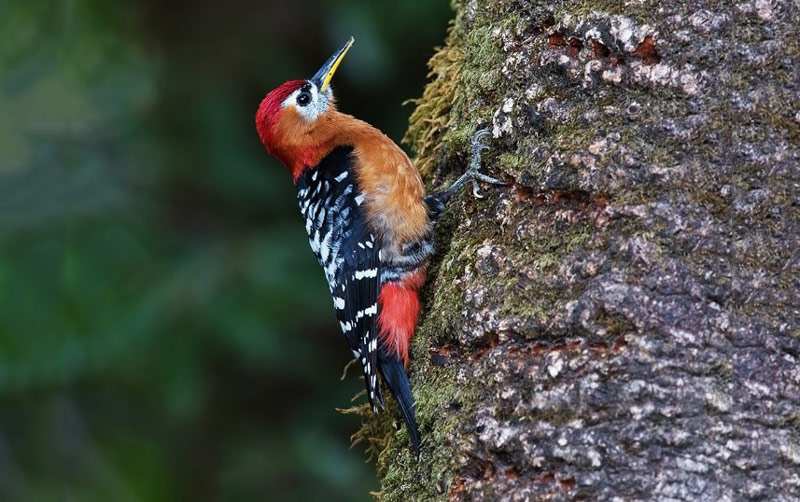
(323, 77)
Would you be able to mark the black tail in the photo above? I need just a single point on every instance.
(395, 376)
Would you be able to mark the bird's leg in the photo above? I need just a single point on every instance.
(437, 201)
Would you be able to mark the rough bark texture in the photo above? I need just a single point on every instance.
(622, 320)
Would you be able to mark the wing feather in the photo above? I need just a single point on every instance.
(330, 201)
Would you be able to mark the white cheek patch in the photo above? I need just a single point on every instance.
(317, 106)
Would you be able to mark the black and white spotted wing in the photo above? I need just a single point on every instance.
(330, 202)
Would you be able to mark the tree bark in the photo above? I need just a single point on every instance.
(621, 321)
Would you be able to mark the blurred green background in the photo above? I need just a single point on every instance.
(165, 332)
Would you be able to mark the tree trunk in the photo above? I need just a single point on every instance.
(622, 320)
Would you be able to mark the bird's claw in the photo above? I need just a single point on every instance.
(475, 165)
(477, 144)
(475, 190)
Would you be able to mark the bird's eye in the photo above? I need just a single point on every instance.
(303, 99)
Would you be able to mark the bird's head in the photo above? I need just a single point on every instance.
(292, 118)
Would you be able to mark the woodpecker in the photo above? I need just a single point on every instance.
(368, 221)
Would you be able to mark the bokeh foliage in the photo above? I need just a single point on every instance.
(165, 333)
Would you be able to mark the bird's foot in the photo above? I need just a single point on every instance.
(437, 202)
(475, 163)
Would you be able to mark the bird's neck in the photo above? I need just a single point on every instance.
(299, 159)
(317, 140)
